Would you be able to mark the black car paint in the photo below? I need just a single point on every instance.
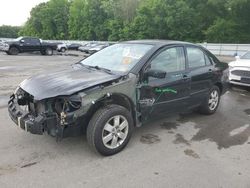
(31, 44)
(191, 84)
(65, 82)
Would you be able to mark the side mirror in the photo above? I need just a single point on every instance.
(22, 41)
(155, 74)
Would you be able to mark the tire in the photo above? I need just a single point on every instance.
(63, 50)
(49, 51)
(13, 51)
(43, 52)
(212, 101)
(104, 135)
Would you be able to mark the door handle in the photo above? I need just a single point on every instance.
(210, 70)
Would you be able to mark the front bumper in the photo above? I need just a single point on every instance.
(25, 120)
(240, 77)
(44, 122)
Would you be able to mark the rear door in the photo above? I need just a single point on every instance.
(35, 44)
(170, 94)
(201, 73)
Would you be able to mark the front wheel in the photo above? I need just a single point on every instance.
(211, 102)
(110, 129)
(13, 51)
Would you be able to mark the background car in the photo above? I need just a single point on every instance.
(98, 48)
(3, 46)
(239, 70)
(30, 44)
(74, 46)
(62, 47)
(88, 46)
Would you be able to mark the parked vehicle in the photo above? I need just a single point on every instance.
(30, 44)
(3, 46)
(74, 46)
(85, 48)
(62, 47)
(119, 88)
(97, 48)
(239, 70)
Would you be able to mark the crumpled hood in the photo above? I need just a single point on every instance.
(65, 82)
(240, 63)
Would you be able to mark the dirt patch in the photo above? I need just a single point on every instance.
(169, 125)
(179, 139)
(184, 118)
(247, 111)
(191, 153)
(150, 139)
(7, 170)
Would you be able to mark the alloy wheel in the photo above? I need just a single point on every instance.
(115, 132)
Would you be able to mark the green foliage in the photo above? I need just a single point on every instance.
(87, 20)
(48, 20)
(189, 20)
(9, 31)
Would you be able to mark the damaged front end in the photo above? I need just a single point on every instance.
(58, 116)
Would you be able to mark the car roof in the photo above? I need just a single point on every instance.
(158, 42)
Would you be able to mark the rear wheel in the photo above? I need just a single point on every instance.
(49, 51)
(110, 129)
(13, 51)
(211, 102)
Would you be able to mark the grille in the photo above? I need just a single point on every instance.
(245, 80)
(242, 73)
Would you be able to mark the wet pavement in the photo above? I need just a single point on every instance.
(187, 150)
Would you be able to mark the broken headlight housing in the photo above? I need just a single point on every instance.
(66, 105)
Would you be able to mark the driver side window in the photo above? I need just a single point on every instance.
(170, 60)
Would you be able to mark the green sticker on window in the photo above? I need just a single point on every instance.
(165, 90)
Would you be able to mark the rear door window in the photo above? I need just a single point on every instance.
(196, 57)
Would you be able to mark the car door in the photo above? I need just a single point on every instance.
(169, 94)
(201, 73)
(35, 44)
(24, 44)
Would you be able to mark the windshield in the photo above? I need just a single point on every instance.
(246, 56)
(119, 57)
(18, 39)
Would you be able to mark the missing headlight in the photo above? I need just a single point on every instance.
(68, 104)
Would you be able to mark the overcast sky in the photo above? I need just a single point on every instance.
(16, 12)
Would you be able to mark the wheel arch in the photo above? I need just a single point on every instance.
(15, 46)
(220, 86)
(114, 98)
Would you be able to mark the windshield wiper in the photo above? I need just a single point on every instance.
(96, 67)
(100, 68)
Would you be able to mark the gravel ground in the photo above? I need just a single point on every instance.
(188, 150)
